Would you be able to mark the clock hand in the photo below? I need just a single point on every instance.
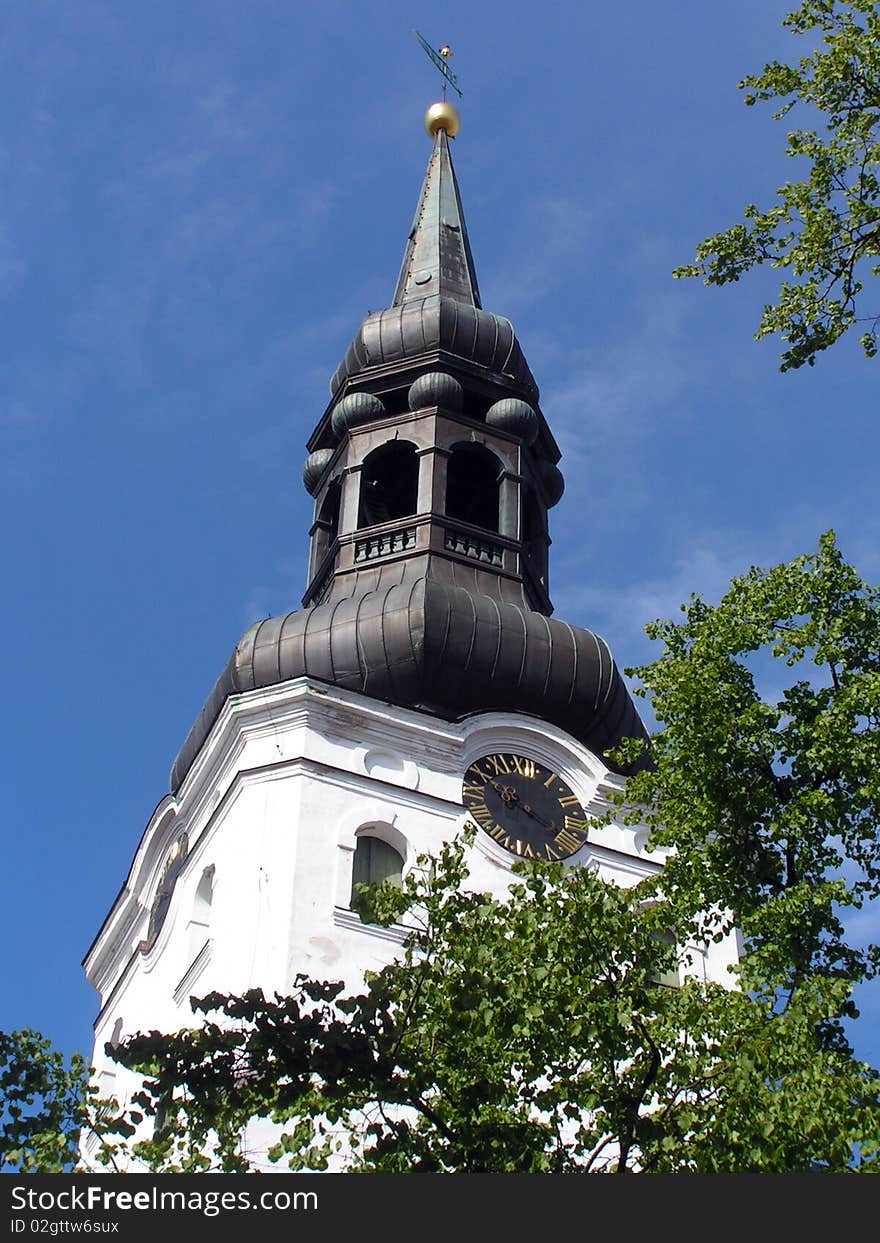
(548, 824)
(507, 794)
(510, 798)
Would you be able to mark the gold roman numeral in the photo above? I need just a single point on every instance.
(482, 815)
(500, 836)
(576, 826)
(525, 768)
(549, 782)
(499, 764)
(570, 800)
(568, 842)
(472, 790)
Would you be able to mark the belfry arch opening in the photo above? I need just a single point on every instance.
(389, 484)
(327, 526)
(472, 485)
(534, 535)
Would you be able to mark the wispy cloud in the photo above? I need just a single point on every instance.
(566, 230)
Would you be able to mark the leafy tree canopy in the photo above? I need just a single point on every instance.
(42, 1104)
(568, 1027)
(536, 1033)
(47, 1104)
(823, 230)
(530, 1035)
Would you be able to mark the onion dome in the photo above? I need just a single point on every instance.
(353, 411)
(437, 388)
(552, 482)
(430, 645)
(514, 416)
(315, 465)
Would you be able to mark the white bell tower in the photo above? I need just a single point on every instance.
(423, 682)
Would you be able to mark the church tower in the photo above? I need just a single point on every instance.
(423, 681)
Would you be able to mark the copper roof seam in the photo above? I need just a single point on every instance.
(422, 326)
(359, 641)
(299, 651)
(595, 639)
(380, 326)
(498, 636)
(276, 655)
(546, 622)
(525, 647)
(252, 662)
(383, 617)
(472, 602)
(362, 341)
(574, 648)
(301, 662)
(511, 345)
(447, 620)
(613, 671)
(611, 723)
(414, 586)
(334, 607)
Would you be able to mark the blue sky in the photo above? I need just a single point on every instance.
(200, 202)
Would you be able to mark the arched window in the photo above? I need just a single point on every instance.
(534, 535)
(389, 484)
(670, 977)
(374, 861)
(328, 519)
(199, 926)
(472, 486)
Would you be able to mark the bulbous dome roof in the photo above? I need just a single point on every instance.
(423, 326)
(439, 648)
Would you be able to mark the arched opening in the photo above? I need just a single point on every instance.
(328, 520)
(472, 480)
(199, 927)
(389, 484)
(374, 861)
(534, 536)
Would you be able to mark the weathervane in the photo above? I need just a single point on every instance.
(440, 59)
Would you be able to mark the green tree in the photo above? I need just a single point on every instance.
(542, 1032)
(823, 230)
(531, 1035)
(42, 1104)
(47, 1103)
(535, 1033)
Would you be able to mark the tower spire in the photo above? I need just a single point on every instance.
(437, 258)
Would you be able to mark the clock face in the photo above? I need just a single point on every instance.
(525, 807)
(174, 861)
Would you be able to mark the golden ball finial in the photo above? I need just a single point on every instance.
(442, 116)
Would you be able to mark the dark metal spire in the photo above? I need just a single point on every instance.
(433, 471)
(438, 258)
